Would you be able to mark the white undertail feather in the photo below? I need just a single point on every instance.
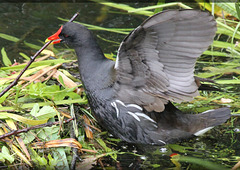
(202, 131)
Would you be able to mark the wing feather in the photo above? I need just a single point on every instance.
(156, 60)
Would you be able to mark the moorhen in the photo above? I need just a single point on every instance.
(155, 65)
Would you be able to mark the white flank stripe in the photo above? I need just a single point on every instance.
(201, 132)
(134, 105)
(115, 106)
(145, 116)
(162, 142)
(208, 111)
(119, 101)
(117, 59)
(135, 116)
(116, 63)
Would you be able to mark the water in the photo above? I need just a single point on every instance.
(34, 22)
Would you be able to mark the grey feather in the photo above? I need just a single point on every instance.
(157, 59)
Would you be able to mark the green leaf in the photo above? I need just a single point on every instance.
(35, 110)
(110, 56)
(160, 2)
(222, 30)
(155, 165)
(2, 157)
(70, 75)
(122, 7)
(52, 162)
(107, 149)
(6, 154)
(41, 161)
(5, 58)
(61, 80)
(73, 95)
(5, 115)
(38, 159)
(49, 133)
(60, 154)
(145, 9)
(228, 7)
(202, 163)
(228, 82)
(9, 37)
(215, 53)
(53, 92)
(94, 27)
(179, 148)
(24, 56)
(237, 9)
(46, 112)
(222, 44)
(87, 112)
(27, 137)
(33, 46)
(2, 99)
(225, 26)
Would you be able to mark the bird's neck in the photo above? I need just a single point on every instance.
(94, 68)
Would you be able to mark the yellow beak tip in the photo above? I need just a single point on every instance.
(47, 40)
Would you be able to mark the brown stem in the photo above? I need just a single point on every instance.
(48, 124)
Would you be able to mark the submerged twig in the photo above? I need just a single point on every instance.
(30, 62)
(49, 124)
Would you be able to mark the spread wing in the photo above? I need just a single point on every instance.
(156, 61)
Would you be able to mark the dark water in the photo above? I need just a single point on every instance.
(34, 22)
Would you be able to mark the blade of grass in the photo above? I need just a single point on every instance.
(94, 27)
(228, 82)
(237, 8)
(159, 6)
(122, 7)
(216, 53)
(5, 59)
(9, 37)
(226, 26)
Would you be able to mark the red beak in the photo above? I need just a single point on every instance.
(55, 37)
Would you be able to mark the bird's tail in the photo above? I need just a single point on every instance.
(209, 119)
(174, 125)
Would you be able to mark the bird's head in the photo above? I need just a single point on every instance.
(72, 34)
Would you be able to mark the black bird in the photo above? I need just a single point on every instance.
(155, 65)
